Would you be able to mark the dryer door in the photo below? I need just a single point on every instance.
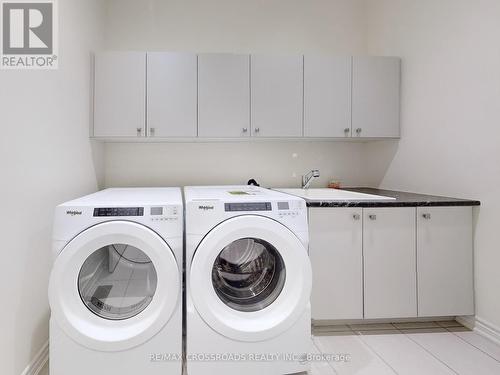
(250, 278)
(114, 286)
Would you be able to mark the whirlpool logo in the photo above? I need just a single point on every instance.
(29, 34)
(73, 213)
(206, 208)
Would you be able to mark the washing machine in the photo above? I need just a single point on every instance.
(115, 288)
(248, 282)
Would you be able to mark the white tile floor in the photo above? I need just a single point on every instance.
(432, 348)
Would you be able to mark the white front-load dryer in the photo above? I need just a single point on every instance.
(248, 282)
(115, 290)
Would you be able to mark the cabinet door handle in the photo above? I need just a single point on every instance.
(139, 132)
(356, 217)
(152, 132)
(426, 216)
(346, 131)
(245, 130)
(372, 217)
(358, 131)
(257, 130)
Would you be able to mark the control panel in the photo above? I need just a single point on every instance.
(283, 209)
(156, 213)
(289, 209)
(119, 211)
(248, 206)
(165, 213)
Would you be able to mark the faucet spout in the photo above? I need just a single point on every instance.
(307, 179)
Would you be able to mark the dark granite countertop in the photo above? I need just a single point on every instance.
(403, 199)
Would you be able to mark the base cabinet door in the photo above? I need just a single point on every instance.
(335, 250)
(445, 261)
(389, 249)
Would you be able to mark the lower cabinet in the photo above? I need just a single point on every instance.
(398, 262)
(445, 261)
(390, 280)
(335, 249)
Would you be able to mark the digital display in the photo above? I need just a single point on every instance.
(156, 211)
(119, 211)
(283, 206)
(258, 206)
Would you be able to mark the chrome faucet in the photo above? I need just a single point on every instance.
(307, 179)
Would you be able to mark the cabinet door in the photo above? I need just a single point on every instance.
(389, 251)
(277, 96)
(172, 94)
(224, 95)
(335, 249)
(327, 96)
(376, 97)
(120, 94)
(445, 261)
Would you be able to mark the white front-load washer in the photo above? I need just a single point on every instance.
(115, 288)
(248, 282)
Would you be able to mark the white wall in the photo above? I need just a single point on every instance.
(450, 114)
(45, 159)
(293, 26)
(277, 164)
(277, 26)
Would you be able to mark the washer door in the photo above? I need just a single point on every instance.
(250, 278)
(114, 286)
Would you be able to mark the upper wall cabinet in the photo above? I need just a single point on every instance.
(120, 92)
(224, 95)
(327, 96)
(171, 94)
(277, 95)
(376, 97)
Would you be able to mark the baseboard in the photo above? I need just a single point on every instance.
(40, 359)
(378, 321)
(481, 326)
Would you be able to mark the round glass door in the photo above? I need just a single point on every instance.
(117, 281)
(248, 274)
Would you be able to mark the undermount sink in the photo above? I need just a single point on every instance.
(333, 195)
